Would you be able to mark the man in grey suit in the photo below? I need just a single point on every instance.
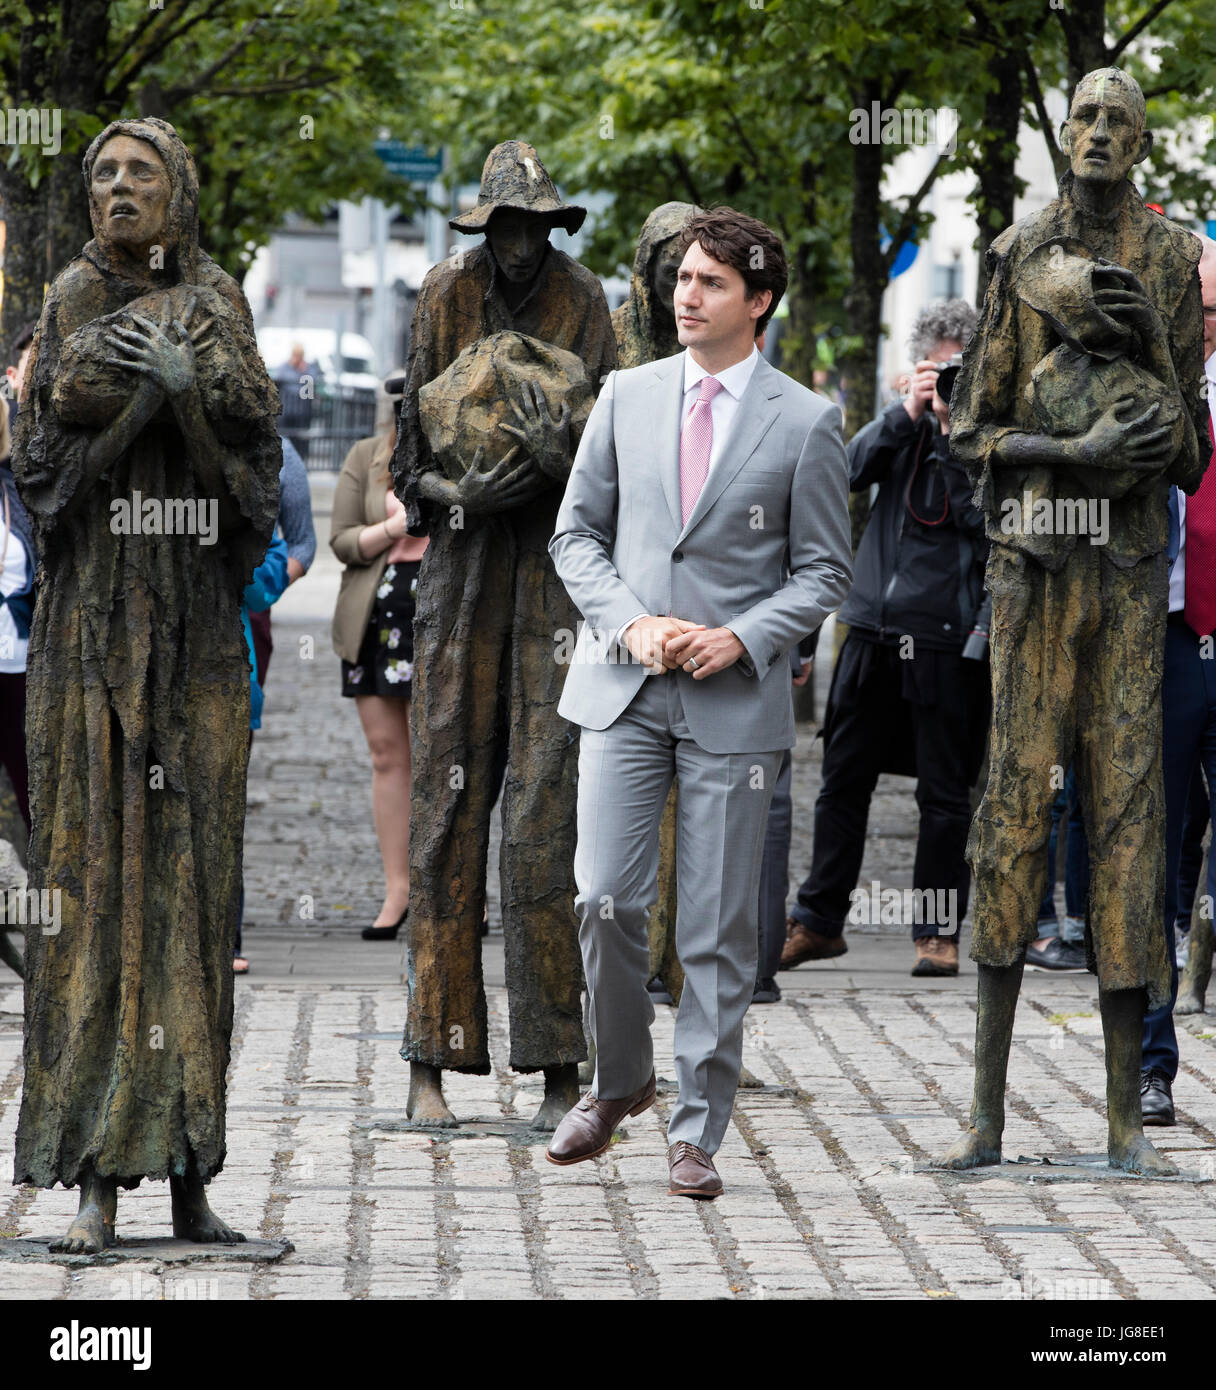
(704, 531)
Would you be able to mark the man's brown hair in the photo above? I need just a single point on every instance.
(745, 243)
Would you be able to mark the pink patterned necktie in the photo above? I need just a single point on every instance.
(696, 441)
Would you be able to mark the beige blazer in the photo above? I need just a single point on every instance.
(358, 502)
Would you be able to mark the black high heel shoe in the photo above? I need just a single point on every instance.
(385, 933)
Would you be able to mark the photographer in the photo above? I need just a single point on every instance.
(905, 698)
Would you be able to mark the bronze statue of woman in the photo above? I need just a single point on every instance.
(147, 456)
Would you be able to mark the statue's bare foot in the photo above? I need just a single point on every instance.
(561, 1094)
(426, 1105)
(193, 1218)
(1137, 1155)
(89, 1233)
(1189, 1002)
(586, 1072)
(973, 1150)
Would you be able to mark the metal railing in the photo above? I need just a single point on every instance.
(336, 423)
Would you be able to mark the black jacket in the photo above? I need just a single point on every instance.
(919, 569)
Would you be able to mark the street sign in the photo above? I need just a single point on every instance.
(903, 257)
(413, 162)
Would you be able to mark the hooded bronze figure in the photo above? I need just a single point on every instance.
(145, 385)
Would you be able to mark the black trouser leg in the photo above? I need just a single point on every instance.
(865, 697)
(943, 794)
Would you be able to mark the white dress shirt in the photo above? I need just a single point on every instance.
(723, 409)
(1178, 573)
(13, 580)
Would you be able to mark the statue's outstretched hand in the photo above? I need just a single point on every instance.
(546, 440)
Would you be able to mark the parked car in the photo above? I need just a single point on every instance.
(342, 408)
(354, 370)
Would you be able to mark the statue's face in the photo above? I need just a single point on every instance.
(664, 271)
(131, 191)
(1103, 135)
(518, 241)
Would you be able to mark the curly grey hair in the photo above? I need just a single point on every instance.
(949, 320)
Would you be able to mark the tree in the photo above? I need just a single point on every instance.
(280, 103)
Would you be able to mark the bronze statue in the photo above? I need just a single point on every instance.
(645, 324)
(1081, 397)
(145, 386)
(488, 641)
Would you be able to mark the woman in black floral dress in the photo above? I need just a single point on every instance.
(373, 634)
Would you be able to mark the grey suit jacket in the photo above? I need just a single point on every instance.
(767, 550)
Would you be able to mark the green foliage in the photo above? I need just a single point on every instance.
(280, 102)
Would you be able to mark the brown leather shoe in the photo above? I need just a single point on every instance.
(692, 1173)
(803, 944)
(587, 1129)
(935, 955)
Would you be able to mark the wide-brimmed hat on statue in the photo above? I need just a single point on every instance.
(514, 177)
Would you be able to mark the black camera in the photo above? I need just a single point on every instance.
(947, 374)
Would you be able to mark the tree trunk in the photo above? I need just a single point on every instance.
(998, 183)
(799, 352)
(48, 225)
(26, 260)
(1084, 25)
(863, 302)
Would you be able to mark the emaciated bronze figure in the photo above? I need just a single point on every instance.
(145, 378)
(1083, 385)
(487, 642)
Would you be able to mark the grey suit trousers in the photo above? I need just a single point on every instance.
(625, 771)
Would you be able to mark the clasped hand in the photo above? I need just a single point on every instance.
(1111, 442)
(169, 361)
(666, 644)
(1119, 293)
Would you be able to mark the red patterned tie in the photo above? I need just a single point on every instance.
(696, 441)
(1200, 608)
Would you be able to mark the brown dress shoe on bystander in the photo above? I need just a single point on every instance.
(587, 1129)
(803, 944)
(936, 955)
(692, 1173)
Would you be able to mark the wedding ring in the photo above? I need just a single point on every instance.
(692, 661)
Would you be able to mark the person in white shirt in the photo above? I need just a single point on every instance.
(17, 566)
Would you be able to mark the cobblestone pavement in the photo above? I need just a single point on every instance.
(866, 1074)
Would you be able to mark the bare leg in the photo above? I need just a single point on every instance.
(561, 1094)
(426, 1105)
(1193, 984)
(386, 725)
(1122, 1029)
(193, 1218)
(998, 1002)
(93, 1227)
